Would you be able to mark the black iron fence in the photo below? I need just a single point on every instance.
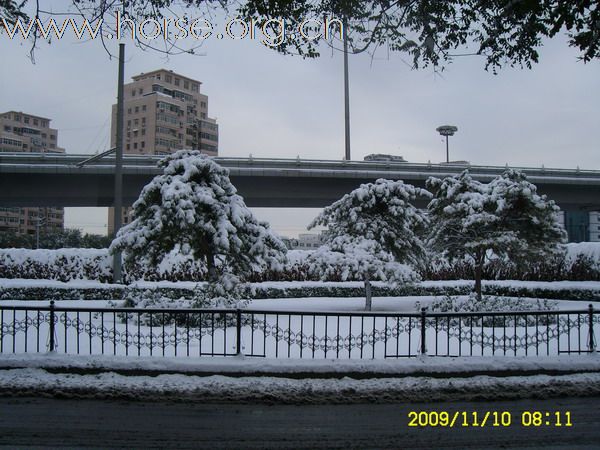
(294, 334)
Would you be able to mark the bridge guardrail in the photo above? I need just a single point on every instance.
(151, 160)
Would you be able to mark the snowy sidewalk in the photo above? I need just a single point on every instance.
(244, 380)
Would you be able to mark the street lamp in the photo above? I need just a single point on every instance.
(447, 130)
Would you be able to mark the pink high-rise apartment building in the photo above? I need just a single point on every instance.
(163, 112)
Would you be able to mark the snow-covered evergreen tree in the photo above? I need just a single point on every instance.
(374, 231)
(532, 216)
(193, 208)
(506, 218)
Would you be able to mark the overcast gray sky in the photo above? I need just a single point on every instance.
(270, 105)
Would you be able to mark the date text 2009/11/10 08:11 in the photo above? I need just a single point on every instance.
(489, 418)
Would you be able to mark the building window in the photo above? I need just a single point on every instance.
(52, 137)
(35, 122)
(168, 78)
(127, 147)
(44, 135)
(133, 92)
(143, 107)
(7, 128)
(140, 91)
(143, 144)
(136, 122)
(26, 119)
(194, 87)
(128, 110)
(135, 145)
(129, 123)
(186, 84)
(143, 131)
(177, 81)
(202, 104)
(143, 121)
(17, 118)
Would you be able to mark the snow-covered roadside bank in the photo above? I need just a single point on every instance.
(306, 368)
(223, 389)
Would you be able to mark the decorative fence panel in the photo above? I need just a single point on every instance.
(294, 334)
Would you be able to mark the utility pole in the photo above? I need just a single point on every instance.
(118, 203)
(346, 93)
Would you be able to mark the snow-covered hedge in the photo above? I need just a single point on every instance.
(65, 264)
(45, 290)
(490, 303)
(17, 289)
(581, 263)
(68, 264)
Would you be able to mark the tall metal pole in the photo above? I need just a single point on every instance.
(119, 163)
(447, 151)
(346, 93)
(37, 234)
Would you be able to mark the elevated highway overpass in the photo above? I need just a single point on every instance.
(28, 179)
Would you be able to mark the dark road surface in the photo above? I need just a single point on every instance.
(52, 423)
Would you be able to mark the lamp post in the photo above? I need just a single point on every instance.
(447, 130)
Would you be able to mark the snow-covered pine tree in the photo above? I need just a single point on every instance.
(506, 218)
(192, 207)
(532, 217)
(374, 220)
(461, 220)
